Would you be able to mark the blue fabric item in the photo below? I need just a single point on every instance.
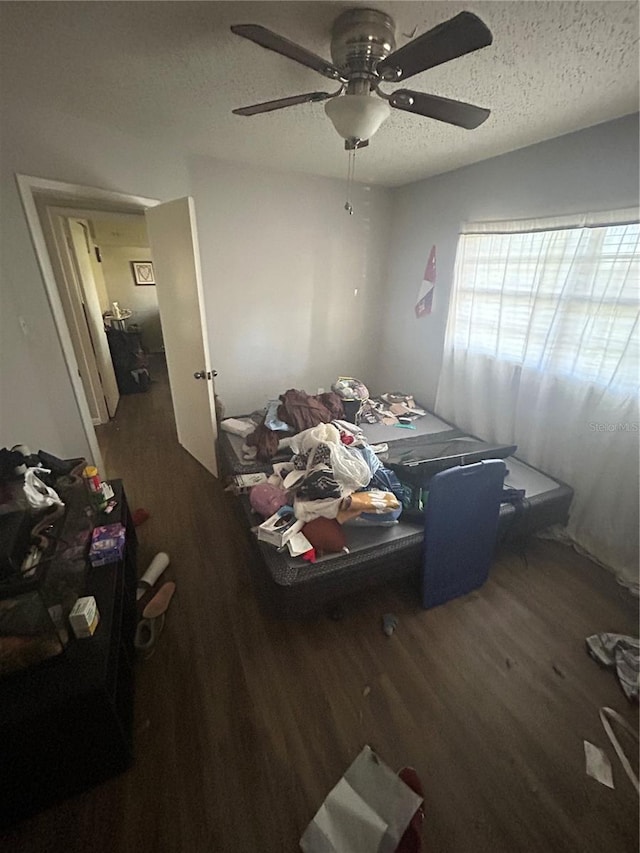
(374, 519)
(271, 419)
(370, 458)
(386, 480)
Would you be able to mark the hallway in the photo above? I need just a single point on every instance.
(243, 724)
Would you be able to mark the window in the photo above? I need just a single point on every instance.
(542, 351)
(562, 301)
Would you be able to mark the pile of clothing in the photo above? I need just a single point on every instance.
(294, 412)
(390, 409)
(333, 478)
(269, 432)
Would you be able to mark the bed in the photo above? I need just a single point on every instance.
(292, 588)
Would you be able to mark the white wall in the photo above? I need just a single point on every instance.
(282, 261)
(594, 169)
(121, 288)
(37, 405)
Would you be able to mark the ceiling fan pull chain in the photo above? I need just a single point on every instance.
(350, 175)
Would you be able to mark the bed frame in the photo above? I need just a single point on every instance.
(293, 588)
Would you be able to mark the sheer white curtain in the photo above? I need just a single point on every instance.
(542, 350)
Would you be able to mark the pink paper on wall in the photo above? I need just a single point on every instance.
(424, 304)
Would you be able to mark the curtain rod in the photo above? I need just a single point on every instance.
(624, 216)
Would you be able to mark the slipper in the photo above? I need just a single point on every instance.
(160, 601)
(146, 594)
(147, 633)
(148, 579)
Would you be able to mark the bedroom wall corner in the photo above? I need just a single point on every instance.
(593, 169)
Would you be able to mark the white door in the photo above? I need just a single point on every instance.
(69, 290)
(174, 248)
(78, 235)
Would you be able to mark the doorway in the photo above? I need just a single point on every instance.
(68, 224)
(104, 269)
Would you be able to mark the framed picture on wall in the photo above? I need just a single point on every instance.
(143, 272)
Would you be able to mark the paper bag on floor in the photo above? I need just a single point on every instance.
(367, 811)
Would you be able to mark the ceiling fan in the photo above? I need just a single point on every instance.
(363, 49)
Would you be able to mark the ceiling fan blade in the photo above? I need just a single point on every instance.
(279, 104)
(442, 109)
(279, 44)
(449, 40)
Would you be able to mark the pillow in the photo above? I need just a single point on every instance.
(326, 535)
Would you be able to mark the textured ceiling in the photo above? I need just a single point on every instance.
(173, 71)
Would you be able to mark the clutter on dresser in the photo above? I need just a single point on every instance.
(107, 544)
(66, 652)
(48, 508)
(84, 617)
(117, 317)
(97, 494)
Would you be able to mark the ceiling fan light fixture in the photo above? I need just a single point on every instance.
(357, 116)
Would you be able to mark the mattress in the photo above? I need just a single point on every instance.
(293, 587)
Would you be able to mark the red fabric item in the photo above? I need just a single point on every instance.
(303, 411)
(310, 555)
(326, 535)
(411, 841)
(345, 438)
(265, 440)
(333, 403)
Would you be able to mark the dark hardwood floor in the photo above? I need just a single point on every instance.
(243, 724)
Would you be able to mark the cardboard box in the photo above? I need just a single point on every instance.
(107, 544)
(84, 617)
(280, 527)
(244, 482)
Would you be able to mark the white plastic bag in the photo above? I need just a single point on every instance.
(349, 468)
(39, 495)
(309, 439)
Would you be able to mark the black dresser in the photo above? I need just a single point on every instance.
(66, 723)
